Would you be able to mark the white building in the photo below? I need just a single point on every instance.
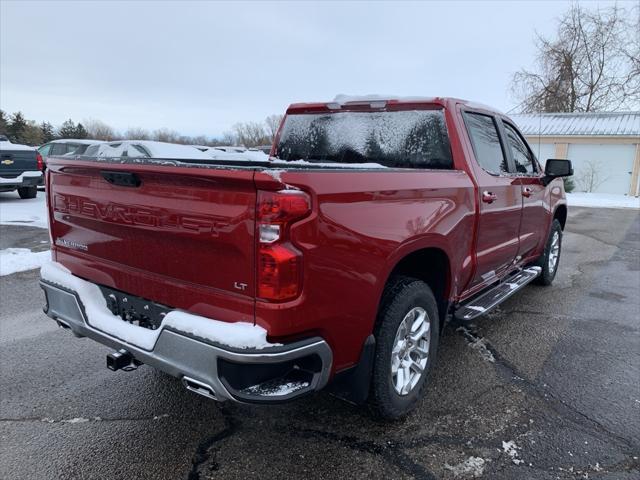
(603, 147)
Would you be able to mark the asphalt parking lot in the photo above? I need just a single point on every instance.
(546, 387)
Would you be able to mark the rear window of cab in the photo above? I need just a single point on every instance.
(396, 139)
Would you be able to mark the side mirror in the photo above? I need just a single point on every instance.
(555, 168)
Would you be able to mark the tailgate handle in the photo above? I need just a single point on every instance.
(123, 179)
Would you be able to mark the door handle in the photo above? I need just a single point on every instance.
(526, 192)
(488, 197)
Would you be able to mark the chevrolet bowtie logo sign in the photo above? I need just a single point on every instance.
(7, 162)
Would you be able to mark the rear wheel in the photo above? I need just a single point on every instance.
(550, 259)
(28, 192)
(407, 336)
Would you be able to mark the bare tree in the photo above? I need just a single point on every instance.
(99, 130)
(250, 134)
(136, 133)
(228, 138)
(199, 140)
(166, 135)
(272, 123)
(592, 65)
(590, 178)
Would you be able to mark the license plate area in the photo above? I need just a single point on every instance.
(135, 310)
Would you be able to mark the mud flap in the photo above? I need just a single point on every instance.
(352, 385)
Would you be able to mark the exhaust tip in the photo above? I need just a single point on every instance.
(198, 387)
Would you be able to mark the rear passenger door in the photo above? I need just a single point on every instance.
(535, 220)
(500, 200)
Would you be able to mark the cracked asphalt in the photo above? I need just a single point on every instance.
(545, 387)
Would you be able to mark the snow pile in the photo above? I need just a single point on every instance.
(511, 449)
(477, 343)
(14, 260)
(238, 335)
(16, 211)
(276, 390)
(602, 200)
(471, 467)
(77, 420)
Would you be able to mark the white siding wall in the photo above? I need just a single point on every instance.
(612, 165)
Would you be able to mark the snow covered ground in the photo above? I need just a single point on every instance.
(602, 200)
(14, 260)
(16, 211)
(33, 213)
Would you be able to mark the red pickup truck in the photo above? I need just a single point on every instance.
(335, 263)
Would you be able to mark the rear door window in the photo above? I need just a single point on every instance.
(58, 149)
(483, 132)
(522, 156)
(137, 151)
(397, 139)
(80, 149)
(45, 149)
(72, 147)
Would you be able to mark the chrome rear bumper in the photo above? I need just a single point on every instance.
(212, 370)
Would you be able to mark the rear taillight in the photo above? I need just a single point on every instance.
(279, 262)
(40, 161)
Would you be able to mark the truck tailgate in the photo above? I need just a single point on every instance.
(14, 162)
(183, 237)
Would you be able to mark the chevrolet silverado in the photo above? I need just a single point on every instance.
(335, 263)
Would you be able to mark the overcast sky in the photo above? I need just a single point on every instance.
(199, 67)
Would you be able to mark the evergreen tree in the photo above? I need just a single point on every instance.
(47, 132)
(81, 132)
(67, 129)
(569, 186)
(16, 128)
(32, 134)
(3, 123)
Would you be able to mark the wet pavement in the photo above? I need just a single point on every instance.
(546, 387)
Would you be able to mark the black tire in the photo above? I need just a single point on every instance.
(402, 295)
(28, 192)
(549, 272)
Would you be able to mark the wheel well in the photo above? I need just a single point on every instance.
(431, 265)
(561, 215)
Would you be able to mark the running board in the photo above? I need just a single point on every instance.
(496, 295)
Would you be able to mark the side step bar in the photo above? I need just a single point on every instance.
(496, 295)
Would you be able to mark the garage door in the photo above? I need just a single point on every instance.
(602, 168)
(543, 151)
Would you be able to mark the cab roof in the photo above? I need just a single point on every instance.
(377, 102)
